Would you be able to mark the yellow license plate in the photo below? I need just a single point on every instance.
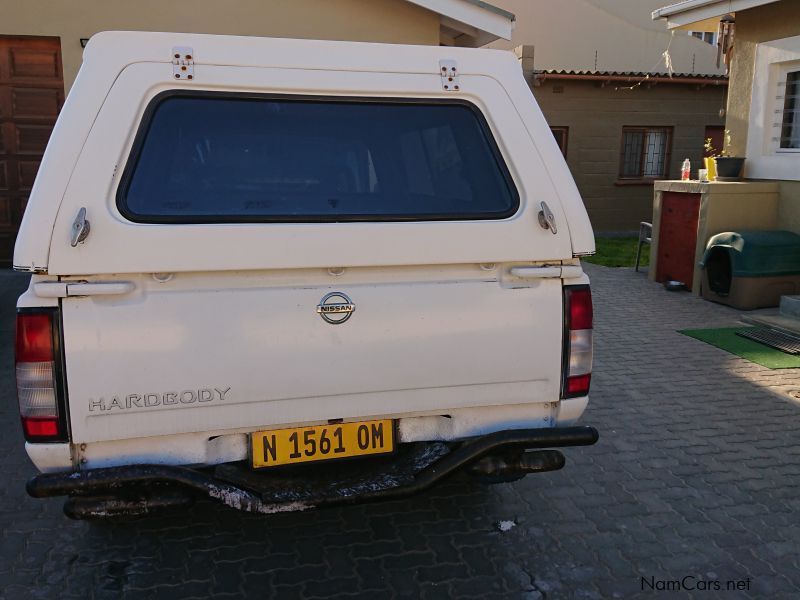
(320, 442)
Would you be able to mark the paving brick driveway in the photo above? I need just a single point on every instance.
(697, 473)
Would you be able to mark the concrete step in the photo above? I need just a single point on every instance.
(790, 307)
(789, 325)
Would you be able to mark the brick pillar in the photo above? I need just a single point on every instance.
(525, 57)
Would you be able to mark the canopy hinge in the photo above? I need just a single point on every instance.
(183, 62)
(448, 69)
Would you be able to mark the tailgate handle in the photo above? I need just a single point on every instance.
(100, 288)
(62, 289)
(565, 272)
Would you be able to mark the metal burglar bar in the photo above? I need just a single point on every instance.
(790, 132)
(654, 154)
(632, 154)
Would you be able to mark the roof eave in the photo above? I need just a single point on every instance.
(633, 78)
(702, 15)
(477, 22)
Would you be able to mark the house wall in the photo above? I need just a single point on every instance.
(604, 35)
(391, 21)
(596, 115)
(761, 24)
(789, 206)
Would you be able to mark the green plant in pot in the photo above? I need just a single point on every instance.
(728, 168)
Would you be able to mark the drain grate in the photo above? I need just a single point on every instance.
(772, 338)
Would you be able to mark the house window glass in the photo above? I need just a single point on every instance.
(645, 152)
(790, 124)
(561, 134)
(708, 37)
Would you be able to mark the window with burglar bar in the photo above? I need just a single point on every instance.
(645, 152)
(790, 121)
(561, 134)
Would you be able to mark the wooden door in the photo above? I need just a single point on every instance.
(677, 237)
(31, 94)
(716, 133)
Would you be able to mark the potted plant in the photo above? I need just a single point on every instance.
(726, 167)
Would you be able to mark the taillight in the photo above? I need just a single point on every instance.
(577, 341)
(42, 413)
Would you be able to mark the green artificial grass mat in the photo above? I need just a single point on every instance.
(726, 339)
(618, 252)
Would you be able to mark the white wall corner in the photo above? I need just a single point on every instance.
(764, 159)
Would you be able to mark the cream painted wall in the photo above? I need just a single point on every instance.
(789, 206)
(566, 34)
(392, 21)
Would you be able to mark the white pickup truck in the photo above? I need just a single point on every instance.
(253, 258)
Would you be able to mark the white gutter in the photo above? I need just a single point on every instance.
(481, 21)
(688, 12)
(679, 7)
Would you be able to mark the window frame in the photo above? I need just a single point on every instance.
(565, 132)
(641, 179)
(145, 123)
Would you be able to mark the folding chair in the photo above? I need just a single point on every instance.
(645, 237)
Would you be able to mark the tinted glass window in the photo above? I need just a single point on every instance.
(224, 158)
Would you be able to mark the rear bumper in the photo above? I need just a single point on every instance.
(215, 447)
(137, 489)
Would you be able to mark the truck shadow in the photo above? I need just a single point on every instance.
(356, 542)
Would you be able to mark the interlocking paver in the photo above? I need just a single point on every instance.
(697, 472)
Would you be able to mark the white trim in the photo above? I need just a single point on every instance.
(764, 159)
(690, 12)
(479, 23)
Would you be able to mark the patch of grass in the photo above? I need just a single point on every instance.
(618, 252)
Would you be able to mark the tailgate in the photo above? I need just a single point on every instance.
(192, 355)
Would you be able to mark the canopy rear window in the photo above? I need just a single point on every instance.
(230, 158)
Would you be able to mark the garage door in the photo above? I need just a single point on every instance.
(31, 94)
